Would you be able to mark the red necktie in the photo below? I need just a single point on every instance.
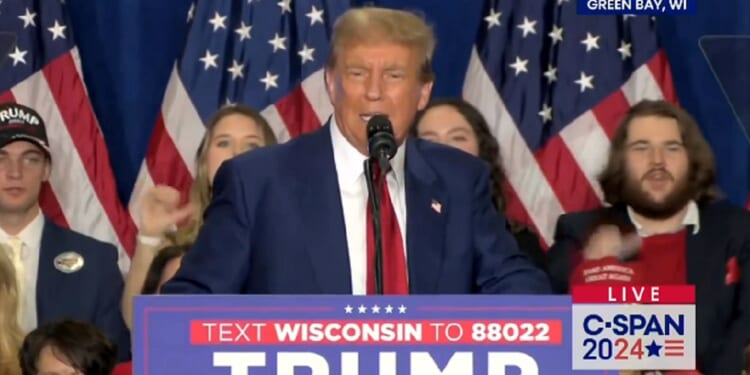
(394, 261)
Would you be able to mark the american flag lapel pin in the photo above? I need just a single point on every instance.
(436, 206)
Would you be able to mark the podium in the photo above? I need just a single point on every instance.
(354, 335)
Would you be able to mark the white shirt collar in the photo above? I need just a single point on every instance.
(31, 235)
(692, 217)
(350, 162)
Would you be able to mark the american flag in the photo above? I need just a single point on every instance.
(553, 85)
(43, 71)
(265, 54)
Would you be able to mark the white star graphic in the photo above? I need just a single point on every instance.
(528, 26)
(556, 34)
(306, 53)
(624, 50)
(362, 309)
(520, 65)
(348, 309)
(551, 73)
(585, 81)
(236, 69)
(493, 19)
(270, 80)
(228, 102)
(376, 309)
(28, 19)
(57, 30)
(18, 56)
(209, 60)
(591, 42)
(388, 309)
(243, 31)
(285, 6)
(277, 42)
(546, 113)
(315, 15)
(218, 21)
(402, 309)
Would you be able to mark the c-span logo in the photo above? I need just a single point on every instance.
(636, 7)
(627, 327)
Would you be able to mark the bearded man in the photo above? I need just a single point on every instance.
(665, 225)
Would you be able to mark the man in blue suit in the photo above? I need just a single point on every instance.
(62, 274)
(292, 219)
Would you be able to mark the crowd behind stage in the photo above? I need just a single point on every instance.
(65, 308)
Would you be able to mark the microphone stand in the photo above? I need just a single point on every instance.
(374, 194)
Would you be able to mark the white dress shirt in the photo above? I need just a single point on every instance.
(354, 197)
(692, 217)
(31, 236)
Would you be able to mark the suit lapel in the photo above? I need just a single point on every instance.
(50, 281)
(322, 215)
(696, 256)
(426, 207)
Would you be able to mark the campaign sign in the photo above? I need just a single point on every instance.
(353, 335)
(632, 327)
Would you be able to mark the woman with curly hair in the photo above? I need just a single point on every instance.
(457, 123)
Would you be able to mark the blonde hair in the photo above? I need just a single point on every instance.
(11, 335)
(200, 190)
(371, 25)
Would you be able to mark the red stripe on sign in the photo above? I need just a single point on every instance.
(644, 294)
(297, 113)
(659, 67)
(47, 200)
(164, 162)
(566, 178)
(610, 111)
(74, 106)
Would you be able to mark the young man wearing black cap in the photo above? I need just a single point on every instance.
(62, 274)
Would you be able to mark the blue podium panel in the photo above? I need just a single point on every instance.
(353, 335)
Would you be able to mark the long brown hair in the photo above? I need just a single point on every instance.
(200, 191)
(489, 148)
(702, 166)
(11, 335)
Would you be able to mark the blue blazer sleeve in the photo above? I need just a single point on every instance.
(501, 267)
(219, 261)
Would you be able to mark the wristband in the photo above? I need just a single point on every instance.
(149, 240)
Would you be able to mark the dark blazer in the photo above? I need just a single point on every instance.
(528, 243)
(91, 294)
(722, 309)
(276, 226)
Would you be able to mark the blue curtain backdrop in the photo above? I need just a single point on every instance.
(128, 47)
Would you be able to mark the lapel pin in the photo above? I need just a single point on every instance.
(436, 206)
(69, 262)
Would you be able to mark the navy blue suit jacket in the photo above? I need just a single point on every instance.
(276, 226)
(722, 306)
(91, 294)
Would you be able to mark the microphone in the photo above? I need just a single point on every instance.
(381, 145)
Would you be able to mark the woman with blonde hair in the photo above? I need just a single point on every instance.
(231, 131)
(11, 335)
